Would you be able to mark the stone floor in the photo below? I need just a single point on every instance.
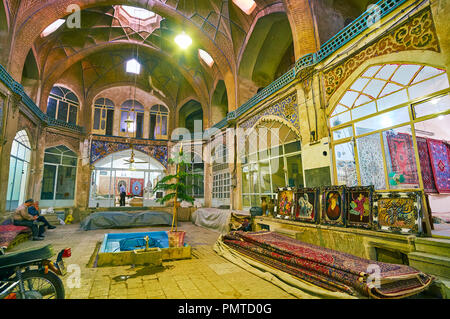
(206, 275)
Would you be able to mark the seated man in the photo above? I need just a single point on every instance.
(33, 210)
(23, 218)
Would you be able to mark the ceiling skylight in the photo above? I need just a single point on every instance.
(52, 27)
(133, 66)
(245, 5)
(138, 13)
(206, 57)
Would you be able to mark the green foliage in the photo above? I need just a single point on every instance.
(175, 183)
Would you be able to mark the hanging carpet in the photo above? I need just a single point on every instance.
(425, 165)
(440, 163)
(402, 156)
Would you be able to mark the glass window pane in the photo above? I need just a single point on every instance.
(435, 105)
(374, 88)
(48, 182)
(426, 73)
(370, 157)
(264, 175)
(392, 100)
(359, 84)
(339, 109)
(292, 147)
(405, 73)
(63, 108)
(340, 119)
(372, 71)
(364, 110)
(65, 187)
(73, 115)
(295, 171)
(21, 151)
(14, 148)
(386, 72)
(245, 180)
(278, 175)
(343, 133)
(345, 164)
(362, 100)
(71, 161)
(96, 119)
(400, 158)
(382, 121)
(51, 107)
(164, 125)
(52, 158)
(433, 85)
(349, 98)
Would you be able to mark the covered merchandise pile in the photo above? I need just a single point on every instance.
(326, 269)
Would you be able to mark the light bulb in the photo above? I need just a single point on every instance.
(183, 40)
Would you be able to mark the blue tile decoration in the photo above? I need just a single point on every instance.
(286, 109)
(101, 149)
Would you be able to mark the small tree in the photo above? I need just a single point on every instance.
(175, 184)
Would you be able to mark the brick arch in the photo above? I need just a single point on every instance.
(36, 15)
(56, 72)
(276, 7)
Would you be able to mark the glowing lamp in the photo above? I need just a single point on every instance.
(133, 66)
(183, 40)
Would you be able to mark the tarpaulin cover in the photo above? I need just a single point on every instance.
(107, 219)
(216, 219)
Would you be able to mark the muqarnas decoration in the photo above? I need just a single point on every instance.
(359, 206)
(306, 205)
(285, 203)
(397, 212)
(333, 206)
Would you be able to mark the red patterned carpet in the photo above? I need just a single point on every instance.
(329, 269)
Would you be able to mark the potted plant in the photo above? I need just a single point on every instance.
(175, 189)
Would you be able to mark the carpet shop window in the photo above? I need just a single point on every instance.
(375, 134)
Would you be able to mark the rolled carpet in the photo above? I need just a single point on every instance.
(327, 268)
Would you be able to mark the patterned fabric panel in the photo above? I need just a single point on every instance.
(439, 156)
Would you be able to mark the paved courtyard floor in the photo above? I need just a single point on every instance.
(206, 275)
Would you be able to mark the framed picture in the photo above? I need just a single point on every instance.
(333, 206)
(397, 212)
(306, 204)
(285, 203)
(359, 206)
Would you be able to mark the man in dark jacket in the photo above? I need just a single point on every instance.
(23, 218)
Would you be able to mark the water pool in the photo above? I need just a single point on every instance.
(111, 241)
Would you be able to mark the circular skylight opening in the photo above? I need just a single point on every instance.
(138, 13)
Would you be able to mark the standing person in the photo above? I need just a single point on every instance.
(33, 210)
(123, 193)
(23, 218)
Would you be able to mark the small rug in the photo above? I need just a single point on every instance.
(425, 166)
(402, 156)
(439, 156)
(327, 268)
(8, 234)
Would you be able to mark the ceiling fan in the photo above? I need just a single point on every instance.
(132, 160)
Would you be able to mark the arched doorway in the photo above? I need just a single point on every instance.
(139, 179)
(271, 158)
(18, 170)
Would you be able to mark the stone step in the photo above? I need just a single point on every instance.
(438, 246)
(432, 264)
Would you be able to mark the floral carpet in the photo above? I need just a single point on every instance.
(329, 269)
